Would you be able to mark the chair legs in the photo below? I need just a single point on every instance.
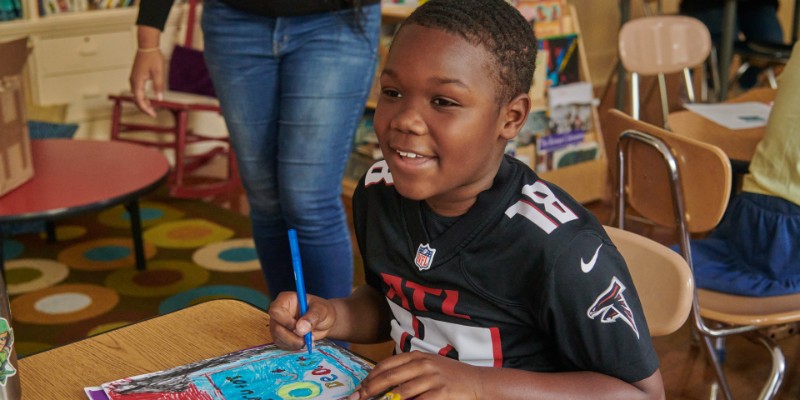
(716, 363)
(770, 389)
(182, 137)
(716, 356)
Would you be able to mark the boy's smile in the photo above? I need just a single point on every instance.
(438, 119)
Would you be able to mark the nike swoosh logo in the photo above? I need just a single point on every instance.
(586, 267)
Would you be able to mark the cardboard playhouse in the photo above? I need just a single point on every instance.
(16, 164)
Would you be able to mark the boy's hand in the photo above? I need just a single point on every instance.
(288, 331)
(421, 376)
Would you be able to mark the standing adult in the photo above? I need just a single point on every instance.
(756, 19)
(292, 78)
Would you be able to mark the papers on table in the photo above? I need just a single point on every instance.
(745, 115)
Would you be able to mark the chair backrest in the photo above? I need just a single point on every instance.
(662, 277)
(663, 44)
(660, 45)
(704, 169)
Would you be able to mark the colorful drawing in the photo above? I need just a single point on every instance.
(263, 372)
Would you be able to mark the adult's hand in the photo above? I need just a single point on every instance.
(147, 66)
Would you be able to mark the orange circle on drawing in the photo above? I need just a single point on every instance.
(103, 254)
(64, 304)
(187, 234)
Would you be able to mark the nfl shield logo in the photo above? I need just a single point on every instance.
(424, 257)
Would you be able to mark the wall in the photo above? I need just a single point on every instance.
(598, 16)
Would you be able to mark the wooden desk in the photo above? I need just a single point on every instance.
(205, 330)
(738, 144)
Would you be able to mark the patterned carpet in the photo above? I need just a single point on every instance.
(86, 283)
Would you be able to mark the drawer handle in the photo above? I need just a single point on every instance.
(88, 49)
(91, 93)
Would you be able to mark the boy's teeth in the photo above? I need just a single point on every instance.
(409, 155)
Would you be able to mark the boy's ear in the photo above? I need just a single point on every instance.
(515, 113)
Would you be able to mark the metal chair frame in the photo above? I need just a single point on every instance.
(754, 331)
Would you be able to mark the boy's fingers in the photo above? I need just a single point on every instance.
(302, 327)
(283, 310)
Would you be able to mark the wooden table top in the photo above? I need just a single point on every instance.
(72, 176)
(195, 333)
(739, 144)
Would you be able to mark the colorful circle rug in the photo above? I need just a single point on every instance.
(85, 282)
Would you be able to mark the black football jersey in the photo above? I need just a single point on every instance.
(526, 279)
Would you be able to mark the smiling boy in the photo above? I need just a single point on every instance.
(492, 282)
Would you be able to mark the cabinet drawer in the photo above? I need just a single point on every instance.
(84, 53)
(69, 88)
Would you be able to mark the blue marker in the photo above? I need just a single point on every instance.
(299, 282)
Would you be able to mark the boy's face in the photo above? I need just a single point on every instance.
(438, 121)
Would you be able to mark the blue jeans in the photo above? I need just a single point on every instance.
(292, 91)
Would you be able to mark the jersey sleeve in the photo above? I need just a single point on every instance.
(594, 312)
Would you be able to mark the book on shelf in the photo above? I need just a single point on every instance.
(569, 121)
(570, 115)
(10, 10)
(365, 131)
(52, 7)
(539, 86)
(264, 372)
(545, 15)
(365, 141)
(562, 59)
(564, 157)
(536, 126)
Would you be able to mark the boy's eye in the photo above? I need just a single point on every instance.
(442, 102)
(390, 92)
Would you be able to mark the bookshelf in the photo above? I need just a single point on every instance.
(585, 181)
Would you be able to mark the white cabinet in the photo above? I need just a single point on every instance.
(77, 59)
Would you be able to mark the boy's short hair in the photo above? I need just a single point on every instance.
(493, 24)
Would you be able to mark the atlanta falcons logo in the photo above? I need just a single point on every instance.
(611, 305)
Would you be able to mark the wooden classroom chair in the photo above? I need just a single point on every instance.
(684, 184)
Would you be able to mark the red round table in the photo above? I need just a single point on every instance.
(76, 176)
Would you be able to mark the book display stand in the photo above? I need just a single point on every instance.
(584, 180)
